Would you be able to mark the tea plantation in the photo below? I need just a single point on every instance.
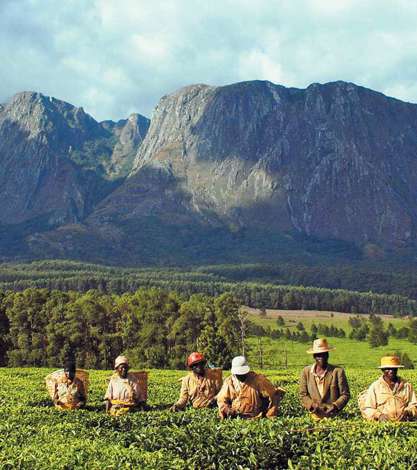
(35, 435)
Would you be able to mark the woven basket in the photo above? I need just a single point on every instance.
(215, 374)
(59, 375)
(142, 378)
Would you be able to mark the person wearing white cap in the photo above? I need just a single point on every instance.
(324, 389)
(123, 392)
(247, 394)
(390, 398)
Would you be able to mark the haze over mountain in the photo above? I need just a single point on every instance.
(234, 173)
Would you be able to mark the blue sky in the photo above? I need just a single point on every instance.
(114, 57)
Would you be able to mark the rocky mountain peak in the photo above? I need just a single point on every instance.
(334, 161)
(55, 160)
(320, 160)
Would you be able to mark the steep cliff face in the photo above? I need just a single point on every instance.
(332, 161)
(129, 134)
(234, 171)
(55, 160)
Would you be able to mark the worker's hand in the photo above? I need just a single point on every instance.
(330, 409)
(227, 412)
(231, 413)
(315, 406)
(108, 406)
(383, 418)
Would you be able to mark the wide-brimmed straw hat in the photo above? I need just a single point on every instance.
(121, 360)
(390, 362)
(320, 345)
(240, 365)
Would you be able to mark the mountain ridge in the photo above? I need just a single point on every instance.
(257, 164)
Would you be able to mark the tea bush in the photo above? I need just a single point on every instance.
(35, 435)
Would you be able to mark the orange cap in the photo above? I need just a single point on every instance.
(195, 357)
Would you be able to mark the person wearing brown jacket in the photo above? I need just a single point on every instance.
(324, 390)
(247, 394)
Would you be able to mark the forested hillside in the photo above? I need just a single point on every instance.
(270, 286)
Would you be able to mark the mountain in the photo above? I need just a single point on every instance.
(57, 162)
(259, 171)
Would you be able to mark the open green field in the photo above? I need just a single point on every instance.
(308, 317)
(276, 353)
(35, 435)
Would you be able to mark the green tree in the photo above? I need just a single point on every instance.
(27, 327)
(300, 326)
(280, 321)
(4, 330)
(412, 332)
(377, 335)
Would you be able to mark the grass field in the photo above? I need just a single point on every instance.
(308, 317)
(33, 435)
(350, 353)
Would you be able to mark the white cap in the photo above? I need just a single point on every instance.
(121, 360)
(240, 365)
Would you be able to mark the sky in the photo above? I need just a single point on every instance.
(115, 57)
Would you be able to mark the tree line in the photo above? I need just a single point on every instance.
(155, 328)
(253, 294)
(380, 277)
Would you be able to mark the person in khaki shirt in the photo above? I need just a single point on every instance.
(200, 386)
(123, 392)
(324, 390)
(390, 398)
(69, 390)
(247, 394)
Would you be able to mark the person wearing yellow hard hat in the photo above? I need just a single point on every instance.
(200, 386)
(390, 398)
(324, 389)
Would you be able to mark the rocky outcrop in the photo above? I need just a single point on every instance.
(56, 161)
(129, 134)
(332, 161)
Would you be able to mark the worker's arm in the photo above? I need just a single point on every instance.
(55, 398)
(344, 392)
(270, 392)
(108, 396)
(411, 409)
(304, 395)
(224, 400)
(181, 403)
(370, 408)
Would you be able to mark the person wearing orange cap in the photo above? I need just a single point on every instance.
(123, 392)
(390, 398)
(324, 389)
(200, 386)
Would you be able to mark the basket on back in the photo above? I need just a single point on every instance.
(215, 374)
(59, 376)
(142, 377)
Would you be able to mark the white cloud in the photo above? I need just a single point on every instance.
(260, 66)
(117, 56)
